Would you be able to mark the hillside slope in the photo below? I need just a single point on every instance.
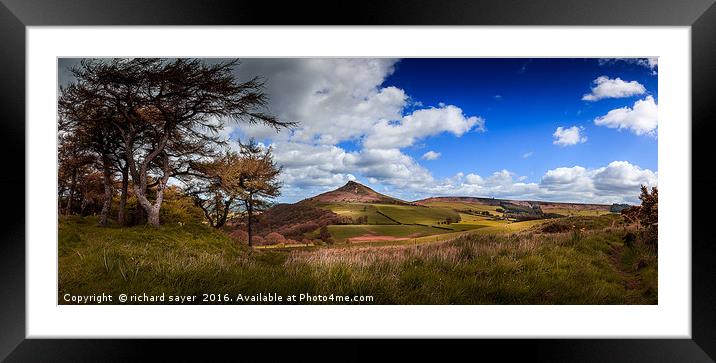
(354, 192)
(525, 203)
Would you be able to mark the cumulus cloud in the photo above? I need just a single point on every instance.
(419, 124)
(651, 63)
(605, 87)
(569, 136)
(309, 169)
(640, 119)
(328, 166)
(622, 177)
(618, 181)
(431, 155)
(568, 179)
(332, 99)
(337, 100)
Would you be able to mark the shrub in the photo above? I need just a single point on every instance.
(240, 236)
(556, 227)
(645, 216)
(629, 239)
(325, 236)
(179, 208)
(274, 238)
(257, 240)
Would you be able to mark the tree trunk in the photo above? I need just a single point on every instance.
(122, 212)
(153, 216)
(107, 206)
(140, 191)
(139, 217)
(151, 209)
(249, 210)
(68, 209)
(222, 220)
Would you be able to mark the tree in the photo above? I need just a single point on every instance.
(646, 216)
(258, 180)
(165, 113)
(86, 122)
(74, 163)
(631, 215)
(649, 214)
(325, 235)
(215, 185)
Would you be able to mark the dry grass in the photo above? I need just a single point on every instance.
(525, 267)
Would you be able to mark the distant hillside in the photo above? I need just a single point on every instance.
(347, 206)
(523, 209)
(293, 220)
(354, 192)
(525, 203)
(485, 201)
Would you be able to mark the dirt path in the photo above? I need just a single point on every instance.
(631, 280)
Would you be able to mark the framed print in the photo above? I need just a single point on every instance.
(466, 172)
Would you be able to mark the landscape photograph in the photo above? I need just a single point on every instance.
(362, 181)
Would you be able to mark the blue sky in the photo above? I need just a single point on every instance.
(578, 130)
(523, 101)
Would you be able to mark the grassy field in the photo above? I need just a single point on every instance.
(463, 206)
(341, 233)
(355, 210)
(589, 266)
(410, 214)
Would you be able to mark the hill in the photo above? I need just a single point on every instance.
(496, 202)
(354, 192)
(293, 220)
(539, 207)
(349, 209)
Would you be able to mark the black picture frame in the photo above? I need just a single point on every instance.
(16, 15)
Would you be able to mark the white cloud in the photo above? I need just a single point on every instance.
(421, 123)
(617, 182)
(332, 99)
(431, 155)
(473, 179)
(622, 177)
(649, 63)
(604, 87)
(335, 100)
(566, 179)
(640, 119)
(389, 166)
(310, 169)
(569, 136)
(527, 154)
